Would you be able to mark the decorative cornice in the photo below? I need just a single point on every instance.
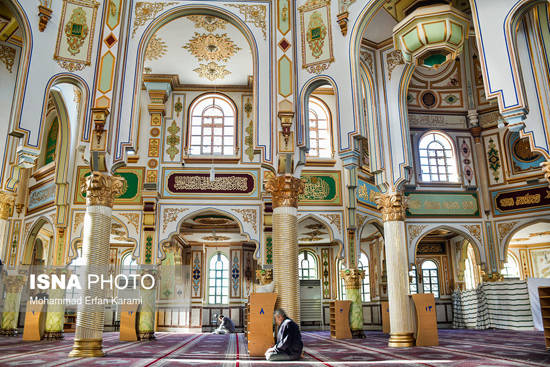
(6, 203)
(265, 276)
(14, 283)
(393, 206)
(352, 278)
(101, 189)
(285, 190)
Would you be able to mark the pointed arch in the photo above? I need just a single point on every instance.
(341, 250)
(29, 241)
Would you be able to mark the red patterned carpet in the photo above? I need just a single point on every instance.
(457, 348)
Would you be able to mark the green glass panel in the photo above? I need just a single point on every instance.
(412, 40)
(456, 34)
(52, 142)
(436, 59)
(435, 32)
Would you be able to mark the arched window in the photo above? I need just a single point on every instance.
(365, 285)
(218, 286)
(413, 280)
(511, 267)
(430, 278)
(469, 279)
(129, 265)
(51, 142)
(77, 266)
(320, 131)
(307, 265)
(212, 129)
(437, 158)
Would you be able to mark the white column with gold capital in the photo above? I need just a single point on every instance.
(6, 203)
(285, 191)
(393, 208)
(100, 192)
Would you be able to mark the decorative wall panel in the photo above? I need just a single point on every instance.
(235, 274)
(315, 21)
(366, 193)
(434, 204)
(322, 187)
(495, 160)
(196, 274)
(131, 190)
(41, 196)
(521, 200)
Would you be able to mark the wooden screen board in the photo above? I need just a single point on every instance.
(128, 322)
(339, 320)
(426, 320)
(35, 321)
(385, 317)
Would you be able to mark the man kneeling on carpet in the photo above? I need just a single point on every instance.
(289, 340)
(227, 326)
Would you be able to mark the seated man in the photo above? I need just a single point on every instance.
(227, 326)
(289, 340)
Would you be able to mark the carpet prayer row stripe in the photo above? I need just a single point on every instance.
(174, 350)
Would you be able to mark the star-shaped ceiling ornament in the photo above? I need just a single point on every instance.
(212, 71)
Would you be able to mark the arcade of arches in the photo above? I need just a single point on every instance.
(366, 150)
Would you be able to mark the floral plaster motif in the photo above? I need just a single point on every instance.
(209, 47)
(156, 49)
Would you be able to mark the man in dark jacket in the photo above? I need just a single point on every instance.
(226, 325)
(289, 340)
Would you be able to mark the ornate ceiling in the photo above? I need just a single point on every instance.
(201, 50)
(536, 234)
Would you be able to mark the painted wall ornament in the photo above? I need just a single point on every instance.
(76, 31)
(317, 33)
(254, 14)
(7, 56)
(146, 11)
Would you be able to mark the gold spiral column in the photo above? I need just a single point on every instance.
(393, 208)
(14, 286)
(100, 192)
(285, 191)
(6, 203)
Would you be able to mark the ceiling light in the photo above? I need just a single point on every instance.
(212, 48)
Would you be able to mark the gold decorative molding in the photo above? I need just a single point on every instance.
(504, 229)
(393, 206)
(170, 215)
(133, 218)
(334, 219)
(155, 49)
(101, 189)
(71, 66)
(342, 20)
(45, 15)
(265, 276)
(285, 190)
(147, 11)
(546, 170)
(212, 71)
(208, 22)
(361, 221)
(249, 216)
(490, 278)
(475, 230)
(7, 56)
(14, 283)
(6, 203)
(352, 278)
(78, 218)
(254, 14)
(209, 47)
(394, 58)
(414, 231)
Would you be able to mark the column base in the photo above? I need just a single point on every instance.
(8, 332)
(87, 348)
(147, 335)
(401, 340)
(358, 334)
(54, 335)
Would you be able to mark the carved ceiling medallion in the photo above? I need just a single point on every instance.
(209, 47)
(207, 22)
(212, 71)
(155, 49)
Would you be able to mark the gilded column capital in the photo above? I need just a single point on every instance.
(265, 276)
(14, 283)
(393, 206)
(285, 190)
(6, 203)
(147, 282)
(490, 278)
(102, 189)
(546, 170)
(352, 278)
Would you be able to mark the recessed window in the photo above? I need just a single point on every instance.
(430, 278)
(511, 267)
(437, 158)
(320, 142)
(77, 266)
(307, 265)
(218, 286)
(212, 127)
(413, 280)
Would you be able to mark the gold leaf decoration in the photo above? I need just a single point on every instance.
(207, 22)
(147, 11)
(155, 49)
(254, 14)
(7, 56)
(209, 47)
(394, 58)
(212, 71)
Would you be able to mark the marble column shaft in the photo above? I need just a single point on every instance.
(14, 286)
(353, 280)
(285, 190)
(55, 315)
(148, 304)
(393, 208)
(100, 192)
